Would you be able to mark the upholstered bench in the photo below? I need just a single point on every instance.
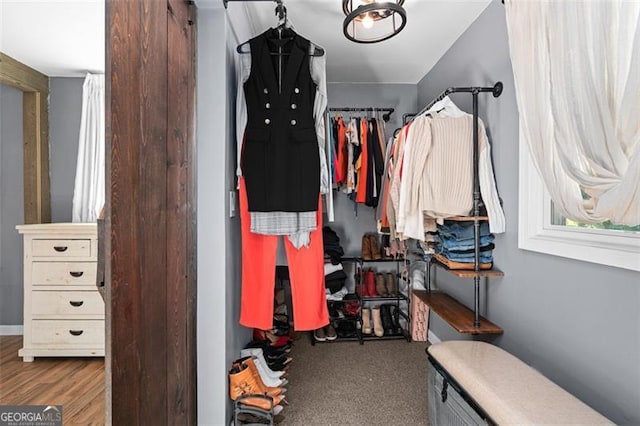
(478, 383)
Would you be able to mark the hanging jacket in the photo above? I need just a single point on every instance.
(280, 158)
(377, 164)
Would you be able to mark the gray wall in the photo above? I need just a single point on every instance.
(65, 113)
(219, 335)
(11, 205)
(576, 322)
(403, 98)
(211, 135)
(65, 109)
(238, 336)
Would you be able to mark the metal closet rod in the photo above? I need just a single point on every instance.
(385, 117)
(279, 2)
(496, 90)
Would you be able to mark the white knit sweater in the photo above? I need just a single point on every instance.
(437, 180)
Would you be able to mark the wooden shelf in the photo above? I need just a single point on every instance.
(469, 273)
(455, 313)
(467, 218)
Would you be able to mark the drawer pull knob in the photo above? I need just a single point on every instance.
(76, 332)
(76, 303)
(60, 248)
(76, 274)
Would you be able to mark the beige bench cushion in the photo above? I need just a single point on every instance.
(507, 389)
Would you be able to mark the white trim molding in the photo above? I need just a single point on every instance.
(11, 330)
(535, 232)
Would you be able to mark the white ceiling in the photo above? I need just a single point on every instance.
(66, 37)
(432, 27)
(60, 38)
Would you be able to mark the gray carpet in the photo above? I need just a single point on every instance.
(345, 383)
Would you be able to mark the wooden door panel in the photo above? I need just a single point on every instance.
(150, 280)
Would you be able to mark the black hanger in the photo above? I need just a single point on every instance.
(281, 13)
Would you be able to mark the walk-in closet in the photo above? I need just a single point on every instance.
(320, 212)
(420, 182)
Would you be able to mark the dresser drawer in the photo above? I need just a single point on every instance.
(66, 303)
(56, 273)
(77, 333)
(61, 248)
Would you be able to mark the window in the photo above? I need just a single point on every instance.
(543, 230)
(557, 219)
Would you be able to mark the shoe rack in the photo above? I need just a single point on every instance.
(457, 315)
(341, 320)
(399, 301)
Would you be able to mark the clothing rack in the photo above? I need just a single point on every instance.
(385, 117)
(497, 91)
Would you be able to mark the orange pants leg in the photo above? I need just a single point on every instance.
(306, 273)
(258, 271)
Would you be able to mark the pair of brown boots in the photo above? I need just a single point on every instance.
(247, 387)
(378, 284)
(370, 247)
(386, 284)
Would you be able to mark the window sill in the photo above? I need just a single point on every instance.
(620, 250)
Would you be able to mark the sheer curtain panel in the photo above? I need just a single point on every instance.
(88, 193)
(577, 74)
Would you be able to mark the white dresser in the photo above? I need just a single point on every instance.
(63, 311)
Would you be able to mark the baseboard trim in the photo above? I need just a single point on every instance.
(433, 338)
(11, 330)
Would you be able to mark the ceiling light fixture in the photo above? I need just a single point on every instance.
(372, 21)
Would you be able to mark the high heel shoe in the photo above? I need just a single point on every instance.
(259, 354)
(279, 366)
(277, 363)
(276, 341)
(243, 387)
(267, 349)
(269, 377)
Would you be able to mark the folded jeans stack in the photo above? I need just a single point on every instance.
(455, 242)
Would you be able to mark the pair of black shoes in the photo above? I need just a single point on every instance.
(390, 317)
(346, 329)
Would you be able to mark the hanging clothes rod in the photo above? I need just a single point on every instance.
(496, 90)
(281, 10)
(225, 2)
(385, 117)
(405, 117)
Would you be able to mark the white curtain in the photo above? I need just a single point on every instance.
(88, 193)
(577, 74)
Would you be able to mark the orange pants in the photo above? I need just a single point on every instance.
(306, 273)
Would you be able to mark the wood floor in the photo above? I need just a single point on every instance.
(75, 383)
